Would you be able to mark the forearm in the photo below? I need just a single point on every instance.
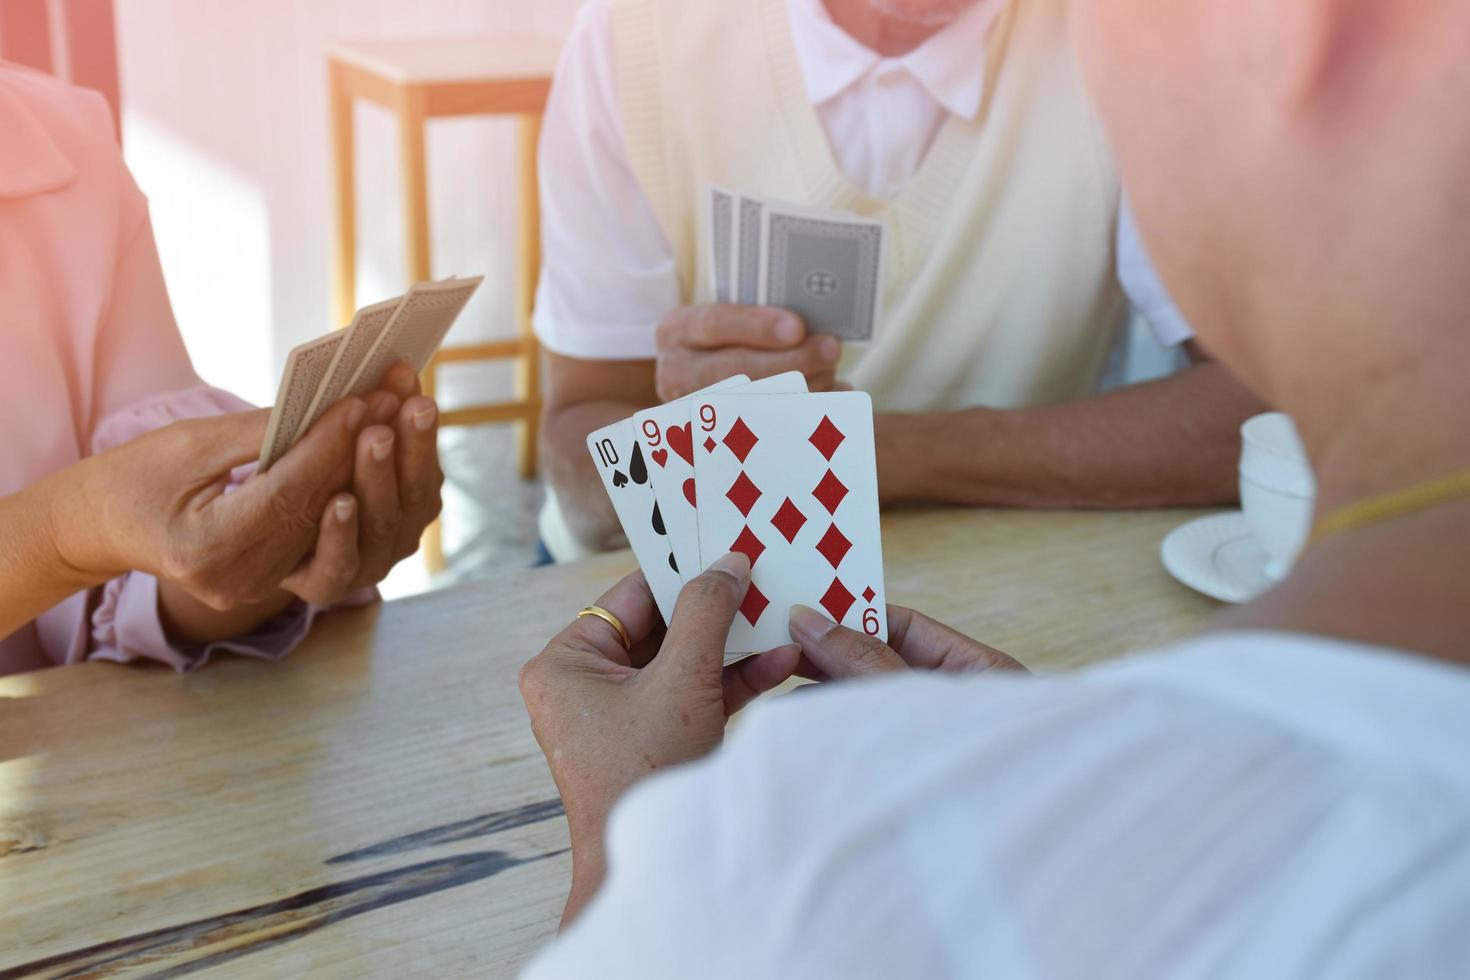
(38, 568)
(1172, 442)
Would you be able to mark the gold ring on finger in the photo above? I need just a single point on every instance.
(611, 620)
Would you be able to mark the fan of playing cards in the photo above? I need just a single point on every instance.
(766, 468)
(825, 266)
(353, 362)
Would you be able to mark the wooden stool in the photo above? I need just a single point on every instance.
(428, 78)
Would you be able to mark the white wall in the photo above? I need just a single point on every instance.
(225, 126)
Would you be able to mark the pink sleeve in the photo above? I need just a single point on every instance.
(125, 625)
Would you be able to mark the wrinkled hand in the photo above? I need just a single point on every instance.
(832, 652)
(700, 345)
(395, 495)
(606, 717)
(333, 514)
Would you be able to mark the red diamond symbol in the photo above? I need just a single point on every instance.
(830, 492)
(748, 545)
(834, 546)
(789, 520)
(743, 493)
(754, 605)
(869, 595)
(740, 440)
(837, 601)
(827, 437)
(709, 444)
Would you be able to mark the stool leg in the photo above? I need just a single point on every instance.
(528, 366)
(432, 542)
(412, 120)
(344, 164)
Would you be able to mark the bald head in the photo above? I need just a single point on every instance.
(1299, 173)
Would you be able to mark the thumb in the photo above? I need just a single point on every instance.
(839, 652)
(325, 454)
(694, 646)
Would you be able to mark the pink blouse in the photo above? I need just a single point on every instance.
(93, 355)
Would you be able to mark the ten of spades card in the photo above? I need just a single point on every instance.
(624, 468)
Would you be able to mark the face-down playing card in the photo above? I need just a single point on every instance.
(668, 445)
(353, 344)
(305, 368)
(416, 330)
(828, 269)
(624, 468)
(791, 481)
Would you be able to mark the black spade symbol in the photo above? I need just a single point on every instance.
(638, 469)
(620, 479)
(673, 564)
(658, 521)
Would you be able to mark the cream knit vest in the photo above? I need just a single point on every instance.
(1001, 288)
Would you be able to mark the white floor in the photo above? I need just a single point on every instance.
(489, 512)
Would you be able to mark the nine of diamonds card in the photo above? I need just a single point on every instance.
(791, 481)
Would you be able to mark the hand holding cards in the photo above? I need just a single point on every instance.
(826, 267)
(353, 362)
(787, 477)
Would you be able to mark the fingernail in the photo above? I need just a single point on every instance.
(382, 449)
(423, 419)
(356, 414)
(735, 564)
(809, 625)
(788, 331)
(830, 349)
(344, 509)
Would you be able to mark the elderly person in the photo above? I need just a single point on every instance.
(1284, 795)
(964, 125)
(125, 533)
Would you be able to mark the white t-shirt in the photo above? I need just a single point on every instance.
(1248, 805)
(609, 275)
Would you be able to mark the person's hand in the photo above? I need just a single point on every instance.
(395, 495)
(915, 642)
(606, 717)
(700, 345)
(159, 504)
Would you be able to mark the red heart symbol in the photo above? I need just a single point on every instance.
(660, 456)
(681, 441)
(689, 492)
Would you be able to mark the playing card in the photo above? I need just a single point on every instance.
(619, 458)
(791, 481)
(355, 341)
(668, 445)
(306, 366)
(415, 332)
(827, 269)
(722, 243)
(748, 212)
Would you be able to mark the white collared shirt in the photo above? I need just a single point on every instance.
(609, 274)
(1252, 805)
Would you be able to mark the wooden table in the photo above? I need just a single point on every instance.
(375, 805)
